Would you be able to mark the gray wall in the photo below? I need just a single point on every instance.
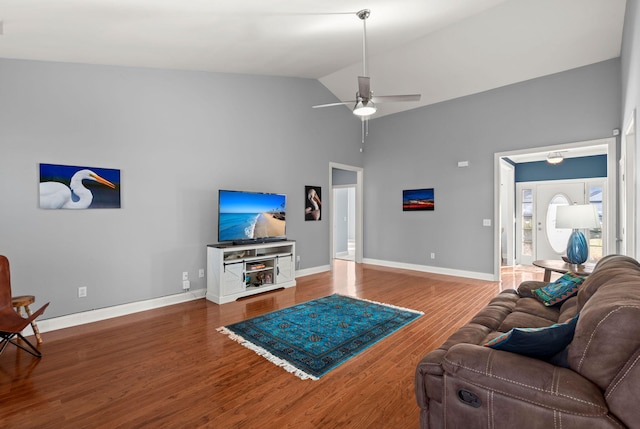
(630, 59)
(177, 138)
(421, 148)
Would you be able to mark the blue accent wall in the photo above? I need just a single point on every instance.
(571, 168)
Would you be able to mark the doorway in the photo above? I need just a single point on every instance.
(345, 201)
(504, 220)
(344, 215)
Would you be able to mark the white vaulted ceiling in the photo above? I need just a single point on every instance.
(442, 49)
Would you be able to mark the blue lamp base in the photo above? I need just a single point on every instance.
(577, 248)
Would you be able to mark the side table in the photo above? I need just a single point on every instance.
(559, 266)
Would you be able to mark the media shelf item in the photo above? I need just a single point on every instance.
(236, 271)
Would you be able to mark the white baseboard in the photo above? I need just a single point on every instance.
(55, 323)
(430, 269)
(313, 270)
(76, 319)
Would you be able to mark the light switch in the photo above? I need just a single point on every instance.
(486, 222)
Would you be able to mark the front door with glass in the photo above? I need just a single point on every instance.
(536, 203)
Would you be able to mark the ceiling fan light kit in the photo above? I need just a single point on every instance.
(364, 108)
(364, 105)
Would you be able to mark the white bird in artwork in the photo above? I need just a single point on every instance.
(56, 195)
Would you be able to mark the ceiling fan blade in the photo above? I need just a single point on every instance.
(391, 98)
(334, 104)
(364, 88)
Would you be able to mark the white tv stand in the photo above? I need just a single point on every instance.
(236, 271)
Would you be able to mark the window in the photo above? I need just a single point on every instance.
(558, 238)
(595, 235)
(527, 222)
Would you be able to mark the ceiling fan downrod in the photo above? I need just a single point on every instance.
(363, 15)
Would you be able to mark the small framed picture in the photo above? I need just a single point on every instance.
(417, 199)
(313, 203)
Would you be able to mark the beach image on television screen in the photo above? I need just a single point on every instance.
(250, 216)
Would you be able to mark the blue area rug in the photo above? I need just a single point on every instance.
(312, 338)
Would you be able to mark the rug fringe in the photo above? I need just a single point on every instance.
(387, 305)
(265, 354)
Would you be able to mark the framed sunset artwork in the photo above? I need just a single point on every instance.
(417, 199)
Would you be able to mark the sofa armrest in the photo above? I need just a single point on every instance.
(430, 366)
(526, 379)
(526, 288)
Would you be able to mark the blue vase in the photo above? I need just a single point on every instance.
(577, 249)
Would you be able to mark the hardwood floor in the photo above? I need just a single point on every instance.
(169, 368)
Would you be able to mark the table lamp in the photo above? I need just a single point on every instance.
(576, 217)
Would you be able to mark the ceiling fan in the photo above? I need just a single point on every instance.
(365, 102)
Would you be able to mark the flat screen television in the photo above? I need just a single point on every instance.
(245, 217)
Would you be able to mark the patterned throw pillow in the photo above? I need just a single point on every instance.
(560, 290)
(540, 343)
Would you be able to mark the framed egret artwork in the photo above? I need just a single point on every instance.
(313, 203)
(74, 187)
(417, 199)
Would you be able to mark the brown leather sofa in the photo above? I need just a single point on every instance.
(464, 384)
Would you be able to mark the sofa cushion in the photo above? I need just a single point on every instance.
(471, 333)
(569, 308)
(536, 308)
(491, 316)
(519, 319)
(560, 290)
(536, 342)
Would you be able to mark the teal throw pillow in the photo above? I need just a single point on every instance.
(560, 290)
(542, 343)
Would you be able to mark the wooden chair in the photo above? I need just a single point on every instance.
(11, 323)
(24, 301)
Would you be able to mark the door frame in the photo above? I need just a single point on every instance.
(358, 210)
(507, 218)
(627, 192)
(609, 209)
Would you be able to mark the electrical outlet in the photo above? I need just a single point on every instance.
(201, 272)
(297, 258)
(186, 284)
(82, 292)
(185, 275)
(433, 255)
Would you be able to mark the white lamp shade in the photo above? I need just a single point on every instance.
(577, 216)
(364, 108)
